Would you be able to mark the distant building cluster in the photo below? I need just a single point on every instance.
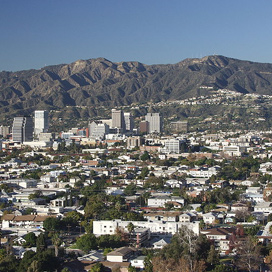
(34, 132)
(24, 129)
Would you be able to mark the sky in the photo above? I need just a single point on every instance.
(38, 33)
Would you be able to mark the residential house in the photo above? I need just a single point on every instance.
(123, 254)
(138, 262)
(264, 207)
(160, 201)
(209, 218)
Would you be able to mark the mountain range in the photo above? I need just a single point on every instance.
(99, 82)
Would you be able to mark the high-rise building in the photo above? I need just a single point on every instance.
(118, 120)
(129, 122)
(172, 146)
(155, 122)
(98, 130)
(4, 131)
(134, 141)
(41, 121)
(22, 129)
(144, 127)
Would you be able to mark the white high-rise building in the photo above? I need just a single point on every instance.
(155, 122)
(129, 122)
(41, 121)
(172, 146)
(22, 129)
(98, 130)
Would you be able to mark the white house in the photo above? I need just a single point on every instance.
(160, 201)
(265, 207)
(138, 262)
(209, 218)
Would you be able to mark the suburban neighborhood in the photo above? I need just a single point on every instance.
(112, 197)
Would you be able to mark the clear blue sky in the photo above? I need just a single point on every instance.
(35, 33)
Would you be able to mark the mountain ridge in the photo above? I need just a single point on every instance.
(101, 82)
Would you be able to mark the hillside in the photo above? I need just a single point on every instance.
(100, 82)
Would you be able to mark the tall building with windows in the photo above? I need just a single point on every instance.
(118, 120)
(41, 121)
(129, 122)
(4, 131)
(144, 127)
(22, 129)
(172, 146)
(98, 130)
(155, 122)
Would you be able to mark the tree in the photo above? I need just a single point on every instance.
(45, 261)
(75, 216)
(169, 205)
(95, 207)
(29, 210)
(154, 182)
(130, 190)
(65, 269)
(109, 241)
(144, 172)
(41, 242)
(145, 156)
(9, 264)
(252, 231)
(224, 268)
(213, 256)
(269, 217)
(130, 228)
(98, 267)
(56, 240)
(132, 269)
(242, 215)
(87, 242)
(3, 254)
(27, 260)
(248, 254)
(186, 252)
(37, 194)
(30, 240)
(179, 265)
(51, 224)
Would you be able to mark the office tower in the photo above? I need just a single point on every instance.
(172, 146)
(129, 122)
(22, 129)
(41, 121)
(134, 141)
(4, 131)
(118, 120)
(46, 137)
(98, 130)
(144, 127)
(155, 122)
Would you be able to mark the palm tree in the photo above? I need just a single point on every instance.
(130, 228)
(56, 240)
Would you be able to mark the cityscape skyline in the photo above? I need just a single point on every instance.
(36, 127)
